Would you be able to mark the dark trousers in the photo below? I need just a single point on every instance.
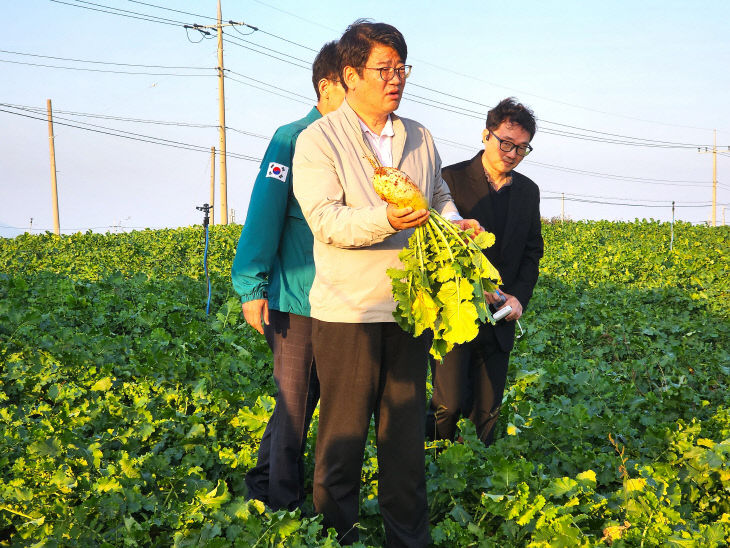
(366, 369)
(278, 477)
(469, 383)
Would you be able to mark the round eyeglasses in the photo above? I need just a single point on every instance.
(387, 73)
(507, 146)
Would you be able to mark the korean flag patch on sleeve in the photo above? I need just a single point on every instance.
(277, 171)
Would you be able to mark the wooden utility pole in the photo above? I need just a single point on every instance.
(562, 208)
(671, 240)
(713, 214)
(212, 185)
(54, 186)
(222, 118)
(221, 106)
(714, 179)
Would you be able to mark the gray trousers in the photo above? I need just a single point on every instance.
(368, 369)
(278, 477)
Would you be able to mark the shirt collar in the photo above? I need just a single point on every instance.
(387, 129)
(491, 183)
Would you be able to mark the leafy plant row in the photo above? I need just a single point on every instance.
(128, 417)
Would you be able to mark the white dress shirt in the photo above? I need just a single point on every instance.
(382, 145)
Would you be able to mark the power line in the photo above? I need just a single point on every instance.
(138, 137)
(84, 69)
(174, 10)
(28, 229)
(236, 41)
(269, 91)
(472, 77)
(548, 130)
(667, 182)
(616, 138)
(103, 62)
(600, 137)
(642, 180)
(39, 110)
(123, 11)
(315, 23)
(611, 197)
(141, 16)
(308, 99)
(627, 204)
(257, 29)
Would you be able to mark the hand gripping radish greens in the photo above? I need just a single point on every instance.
(445, 274)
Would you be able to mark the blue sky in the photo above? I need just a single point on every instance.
(597, 74)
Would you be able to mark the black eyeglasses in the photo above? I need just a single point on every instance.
(507, 146)
(387, 73)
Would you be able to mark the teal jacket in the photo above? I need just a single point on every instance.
(274, 254)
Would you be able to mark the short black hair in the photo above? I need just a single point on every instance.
(509, 110)
(326, 65)
(357, 43)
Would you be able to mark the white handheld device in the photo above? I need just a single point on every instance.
(501, 313)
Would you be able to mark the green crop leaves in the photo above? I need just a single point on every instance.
(441, 286)
(129, 418)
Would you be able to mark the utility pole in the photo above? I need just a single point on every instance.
(714, 179)
(222, 118)
(221, 106)
(713, 218)
(54, 186)
(212, 185)
(562, 208)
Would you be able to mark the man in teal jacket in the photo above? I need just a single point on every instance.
(273, 272)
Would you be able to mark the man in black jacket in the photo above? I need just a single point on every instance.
(470, 381)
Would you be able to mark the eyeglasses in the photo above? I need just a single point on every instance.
(387, 73)
(507, 146)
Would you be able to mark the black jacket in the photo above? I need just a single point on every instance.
(518, 255)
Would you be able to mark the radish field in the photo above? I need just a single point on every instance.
(129, 418)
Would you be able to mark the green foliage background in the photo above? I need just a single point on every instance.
(128, 417)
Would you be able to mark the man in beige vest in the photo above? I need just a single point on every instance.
(366, 364)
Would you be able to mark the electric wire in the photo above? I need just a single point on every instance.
(309, 99)
(269, 91)
(667, 182)
(472, 77)
(255, 29)
(626, 204)
(643, 180)
(140, 16)
(40, 110)
(663, 144)
(204, 35)
(572, 194)
(235, 26)
(542, 120)
(619, 139)
(285, 39)
(307, 63)
(235, 41)
(103, 62)
(139, 137)
(174, 10)
(78, 229)
(86, 69)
